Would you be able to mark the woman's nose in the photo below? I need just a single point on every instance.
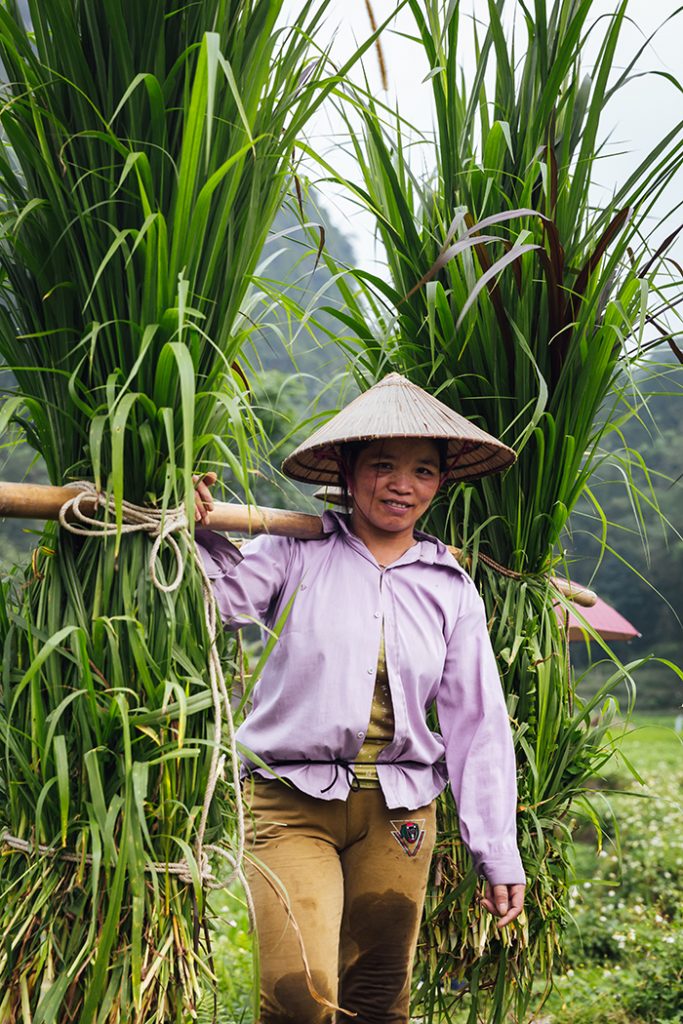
(400, 482)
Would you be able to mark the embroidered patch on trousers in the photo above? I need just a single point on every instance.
(409, 834)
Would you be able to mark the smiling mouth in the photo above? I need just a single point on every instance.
(400, 505)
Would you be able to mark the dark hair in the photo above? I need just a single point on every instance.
(350, 450)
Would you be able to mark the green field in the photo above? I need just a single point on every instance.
(625, 955)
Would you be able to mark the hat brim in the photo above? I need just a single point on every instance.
(397, 408)
(465, 459)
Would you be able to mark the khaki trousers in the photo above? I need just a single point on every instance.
(354, 875)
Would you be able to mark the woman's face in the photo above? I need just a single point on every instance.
(393, 483)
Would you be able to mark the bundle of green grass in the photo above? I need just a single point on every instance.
(147, 148)
(518, 302)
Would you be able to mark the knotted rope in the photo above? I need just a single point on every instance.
(168, 526)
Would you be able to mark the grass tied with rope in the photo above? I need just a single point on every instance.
(146, 149)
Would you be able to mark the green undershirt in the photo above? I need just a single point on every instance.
(381, 728)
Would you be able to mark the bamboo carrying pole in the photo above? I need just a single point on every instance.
(42, 501)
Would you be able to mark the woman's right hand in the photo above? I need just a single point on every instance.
(203, 499)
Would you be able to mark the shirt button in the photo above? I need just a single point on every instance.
(360, 735)
(376, 615)
(371, 671)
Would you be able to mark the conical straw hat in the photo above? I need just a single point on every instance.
(395, 407)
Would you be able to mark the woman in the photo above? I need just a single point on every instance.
(376, 623)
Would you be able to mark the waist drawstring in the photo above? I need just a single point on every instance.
(346, 766)
(338, 762)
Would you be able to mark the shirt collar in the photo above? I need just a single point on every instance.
(429, 549)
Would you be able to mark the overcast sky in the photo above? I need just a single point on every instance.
(637, 117)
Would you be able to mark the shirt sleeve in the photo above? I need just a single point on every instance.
(247, 582)
(479, 749)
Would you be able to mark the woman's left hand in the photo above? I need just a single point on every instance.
(505, 902)
(203, 499)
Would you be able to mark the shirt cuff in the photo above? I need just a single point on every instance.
(502, 869)
(218, 554)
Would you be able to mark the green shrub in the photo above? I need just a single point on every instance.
(625, 954)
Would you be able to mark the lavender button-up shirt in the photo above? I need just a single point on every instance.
(314, 698)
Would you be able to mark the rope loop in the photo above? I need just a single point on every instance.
(160, 524)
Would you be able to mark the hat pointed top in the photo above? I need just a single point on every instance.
(395, 407)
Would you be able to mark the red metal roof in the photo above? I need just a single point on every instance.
(602, 617)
